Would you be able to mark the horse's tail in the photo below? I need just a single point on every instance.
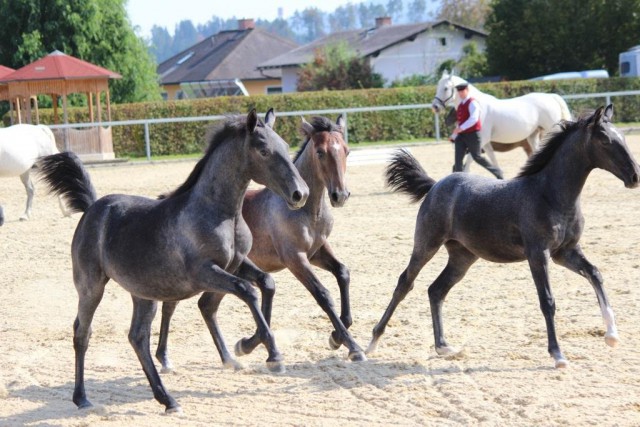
(66, 177)
(404, 174)
(565, 113)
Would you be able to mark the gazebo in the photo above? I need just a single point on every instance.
(4, 89)
(59, 75)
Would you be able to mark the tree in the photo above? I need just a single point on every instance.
(337, 67)
(470, 13)
(473, 62)
(416, 10)
(97, 31)
(560, 35)
(310, 23)
(394, 9)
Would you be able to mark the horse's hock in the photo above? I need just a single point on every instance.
(90, 144)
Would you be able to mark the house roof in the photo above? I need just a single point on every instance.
(226, 55)
(367, 42)
(58, 66)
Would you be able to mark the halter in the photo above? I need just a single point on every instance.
(444, 102)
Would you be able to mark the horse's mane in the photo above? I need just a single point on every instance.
(320, 124)
(232, 127)
(552, 142)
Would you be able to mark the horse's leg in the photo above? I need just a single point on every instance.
(532, 143)
(574, 260)
(423, 251)
(28, 185)
(139, 336)
(215, 279)
(299, 265)
(249, 271)
(162, 354)
(209, 303)
(1, 216)
(539, 264)
(488, 148)
(460, 260)
(90, 291)
(325, 259)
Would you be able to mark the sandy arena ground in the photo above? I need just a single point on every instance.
(504, 377)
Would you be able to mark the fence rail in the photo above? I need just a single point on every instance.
(345, 111)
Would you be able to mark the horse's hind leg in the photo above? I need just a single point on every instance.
(575, 261)
(422, 253)
(139, 336)
(208, 304)
(460, 259)
(162, 354)
(325, 259)
(1, 216)
(90, 297)
(28, 185)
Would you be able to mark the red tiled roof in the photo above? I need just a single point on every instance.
(5, 71)
(58, 66)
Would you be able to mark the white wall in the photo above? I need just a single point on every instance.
(423, 55)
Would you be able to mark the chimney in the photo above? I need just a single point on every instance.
(383, 21)
(246, 24)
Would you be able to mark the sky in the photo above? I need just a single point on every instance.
(147, 13)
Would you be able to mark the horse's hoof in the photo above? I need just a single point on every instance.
(24, 218)
(238, 349)
(276, 367)
(233, 364)
(85, 405)
(174, 410)
(612, 340)
(166, 370)
(333, 344)
(562, 363)
(357, 356)
(373, 345)
(447, 351)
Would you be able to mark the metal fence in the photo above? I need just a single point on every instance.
(346, 111)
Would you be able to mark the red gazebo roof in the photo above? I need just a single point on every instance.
(58, 66)
(5, 71)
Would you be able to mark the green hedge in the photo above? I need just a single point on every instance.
(180, 138)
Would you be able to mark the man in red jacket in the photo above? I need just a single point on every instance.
(467, 133)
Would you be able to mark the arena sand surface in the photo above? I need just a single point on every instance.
(504, 377)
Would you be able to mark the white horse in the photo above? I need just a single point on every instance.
(20, 147)
(524, 118)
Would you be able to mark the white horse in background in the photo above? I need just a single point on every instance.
(20, 146)
(506, 121)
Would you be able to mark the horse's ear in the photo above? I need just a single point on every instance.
(270, 118)
(341, 122)
(306, 127)
(445, 73)
(252, 120)
(597, 116)
(608, 112)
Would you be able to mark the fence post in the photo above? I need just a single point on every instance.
(346, 129)
(437, 120)
(147, 143)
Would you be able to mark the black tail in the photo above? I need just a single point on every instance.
(65, 176)
(404, 174)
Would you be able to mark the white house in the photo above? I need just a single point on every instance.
(394, 51)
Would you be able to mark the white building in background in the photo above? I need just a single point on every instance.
(394, 51)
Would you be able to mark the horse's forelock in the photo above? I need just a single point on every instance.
(319, 124)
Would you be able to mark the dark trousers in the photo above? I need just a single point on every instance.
(471, 142)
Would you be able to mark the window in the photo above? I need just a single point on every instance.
(274, 89)
(625, 67)
(443, 41)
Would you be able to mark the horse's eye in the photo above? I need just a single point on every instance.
(264, 152)
(320, 154)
